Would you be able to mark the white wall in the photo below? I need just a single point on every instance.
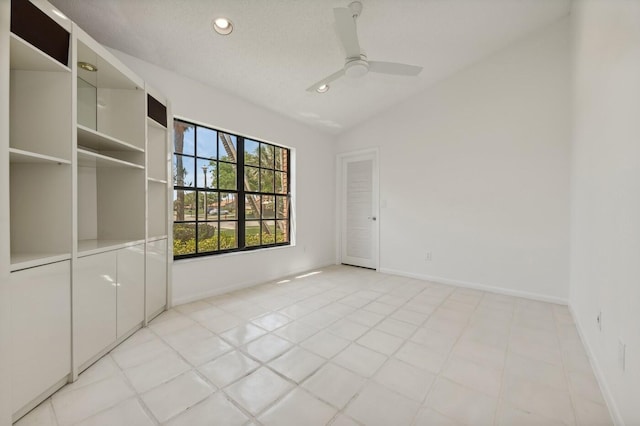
(476, 171)
(605, 237)
(314, 186)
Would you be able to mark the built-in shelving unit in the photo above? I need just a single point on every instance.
(89, 189)
(39, 155)
(111, 149)
(40, 163)
(158, 225)
(156, 176)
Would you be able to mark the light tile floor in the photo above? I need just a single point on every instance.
(343, 346)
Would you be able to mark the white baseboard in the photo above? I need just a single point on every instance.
(239, 286)
(477, 286)
(604, 387)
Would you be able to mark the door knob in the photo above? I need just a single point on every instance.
(372, 218)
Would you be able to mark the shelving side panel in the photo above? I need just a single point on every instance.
(120, 114)
(156, 152)
(40, 208)
(5, 304)
(120, 204)
(157, 220)
(40, 104)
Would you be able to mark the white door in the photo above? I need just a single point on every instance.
(359, 210)
(130, 289)
(95, 318)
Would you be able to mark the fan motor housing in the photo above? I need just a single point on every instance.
(356, 68)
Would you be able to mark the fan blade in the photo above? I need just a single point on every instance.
(346, 28)
(332, 77)
(394, 68)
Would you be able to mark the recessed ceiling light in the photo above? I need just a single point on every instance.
(87, 66)
(60, 14)
(222, 26)
(322, 89)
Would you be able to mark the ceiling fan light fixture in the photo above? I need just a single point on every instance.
(323, 89)
(222, 26)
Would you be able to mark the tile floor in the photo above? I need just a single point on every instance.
(343, 346)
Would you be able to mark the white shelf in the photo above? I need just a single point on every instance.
(93, 139)
(157, 238)
(21, 156)
(93, 159)
(90, 247)
(21, 261)
(26, 57)
(154, 123)
(154, 180)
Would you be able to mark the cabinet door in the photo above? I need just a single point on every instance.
(130, 288)
(156, 277)
(95, 287)
(40, 330)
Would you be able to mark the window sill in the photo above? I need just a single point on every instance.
(235, 253)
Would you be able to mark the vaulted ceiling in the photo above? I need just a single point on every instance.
(281, 47)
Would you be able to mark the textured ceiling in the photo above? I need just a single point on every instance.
(281, 47)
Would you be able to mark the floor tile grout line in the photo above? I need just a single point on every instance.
(439, 374)
(565, 371)
(296, 384)
(196, 371)
(504, 369)
(121, 375)
(368, 380)
(327, 360)
(407, 339)
(265, 364)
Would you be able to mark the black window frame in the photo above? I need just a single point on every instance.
(240, 192)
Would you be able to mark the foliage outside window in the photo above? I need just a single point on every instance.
(230, 193)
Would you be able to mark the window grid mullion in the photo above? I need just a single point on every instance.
(241, 193)
(241, 202)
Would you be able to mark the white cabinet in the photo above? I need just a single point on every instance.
(95, 306)
(130, 288)
(156, 277)
(109, 290)
(40, 331)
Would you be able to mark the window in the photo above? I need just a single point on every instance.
(230, 193)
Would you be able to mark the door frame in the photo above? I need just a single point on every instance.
(340, 161)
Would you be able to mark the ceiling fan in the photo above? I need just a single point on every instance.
(356, 64)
